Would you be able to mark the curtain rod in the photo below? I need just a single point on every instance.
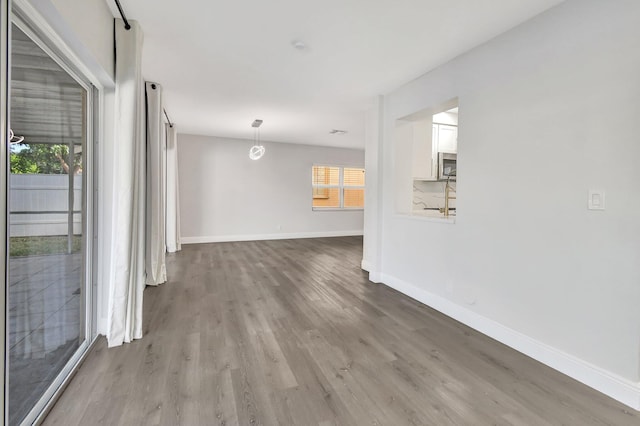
(124, 18)
(168, 119)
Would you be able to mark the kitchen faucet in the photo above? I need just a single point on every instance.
(447, 197)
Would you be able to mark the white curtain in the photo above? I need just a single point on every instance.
(155, 246)
(173, 195)
(128, 275)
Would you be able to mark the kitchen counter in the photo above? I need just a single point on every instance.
(427, 216)
(432, 213)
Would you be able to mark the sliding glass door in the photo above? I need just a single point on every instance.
(48, 234)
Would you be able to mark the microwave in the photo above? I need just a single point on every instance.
(447, 166)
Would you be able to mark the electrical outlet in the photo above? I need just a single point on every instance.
(596, 199)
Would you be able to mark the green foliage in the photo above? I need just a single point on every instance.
(38, 246)
(43, 159)
(21, 164)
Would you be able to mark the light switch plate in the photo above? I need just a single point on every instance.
(596, 199)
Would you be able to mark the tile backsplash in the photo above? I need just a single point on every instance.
(430, 194)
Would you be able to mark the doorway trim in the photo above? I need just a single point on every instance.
(4, 170)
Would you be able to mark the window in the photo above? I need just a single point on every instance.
(336, 187)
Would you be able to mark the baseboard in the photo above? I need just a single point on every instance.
(366, 265)
(374, 275)
(260, 237)
(618, 388)
(101, 326)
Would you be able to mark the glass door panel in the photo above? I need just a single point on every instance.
(46, 265)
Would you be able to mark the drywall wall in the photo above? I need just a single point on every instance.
(526, 262)
(225, 196)
(92, 22)
(86, 27)
(372, 206)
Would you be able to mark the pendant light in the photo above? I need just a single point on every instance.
(257, 150)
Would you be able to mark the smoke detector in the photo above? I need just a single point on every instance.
(298, 44)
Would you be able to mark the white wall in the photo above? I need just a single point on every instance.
(526, 262)
(93, 22)
(373, 193)
(87, 29)
(226, 196)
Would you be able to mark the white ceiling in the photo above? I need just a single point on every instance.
(223, 64)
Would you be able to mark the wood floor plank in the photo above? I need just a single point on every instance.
(291, 332)
(148, 396)
(73, 402)
(314, 395)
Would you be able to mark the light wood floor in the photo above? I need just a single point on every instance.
(292, 333)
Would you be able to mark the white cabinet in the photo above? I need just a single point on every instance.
(446, 137)
(426, 140)
(424, 161)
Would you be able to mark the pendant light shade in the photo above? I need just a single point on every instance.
(257, 150)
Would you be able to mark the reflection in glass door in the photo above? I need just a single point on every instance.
(47, 229)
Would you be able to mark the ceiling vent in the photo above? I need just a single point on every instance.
(337, 132)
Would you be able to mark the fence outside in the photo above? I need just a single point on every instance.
(39, 205)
